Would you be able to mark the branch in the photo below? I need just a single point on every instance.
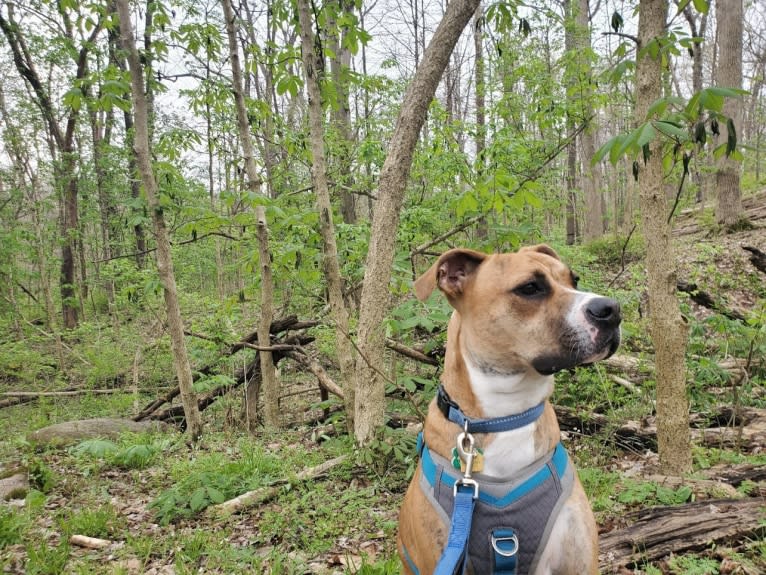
(264, 494)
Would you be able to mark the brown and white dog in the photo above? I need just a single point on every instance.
(518, 318)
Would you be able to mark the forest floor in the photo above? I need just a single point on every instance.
(150, 497)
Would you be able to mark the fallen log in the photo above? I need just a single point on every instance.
(660, 531)
(757, 258)
(704, 299)
(263, 494)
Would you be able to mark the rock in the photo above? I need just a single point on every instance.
(14, 486)
(69, 432)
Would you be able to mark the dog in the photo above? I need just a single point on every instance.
(518, 318)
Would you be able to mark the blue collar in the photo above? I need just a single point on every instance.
(452, 411)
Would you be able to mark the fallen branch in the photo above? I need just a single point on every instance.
(264, 494)
(89, 542)
(325, 381)
(63, 393)
(660, 531)
(411, 352)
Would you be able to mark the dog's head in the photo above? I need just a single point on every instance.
(523, 310)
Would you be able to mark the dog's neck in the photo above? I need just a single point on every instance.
(484, 394)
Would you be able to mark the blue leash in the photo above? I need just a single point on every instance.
(453, 559)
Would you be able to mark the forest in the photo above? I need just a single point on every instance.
(212, 214)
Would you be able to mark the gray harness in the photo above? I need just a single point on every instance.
(513, 518)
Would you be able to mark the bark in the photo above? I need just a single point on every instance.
(481, 125)
(729, 15)
(135, 187)
(268, 373)
(591, 175)
(667, 327)
(164, 258)
(341, 115)
(660, 531)
(313, 63)
(243, 126)
(571, 171)
(370, 387)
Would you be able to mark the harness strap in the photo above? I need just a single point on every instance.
(505, 548)
(453, 559)
(452, 411)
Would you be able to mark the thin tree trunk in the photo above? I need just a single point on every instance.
(341, 115)
(591, 175)
(312, 64)
(729, 15)
(164, 258)
(268, 373)
(480, 141)
(271, 399)
(667, 327)
(370, 387)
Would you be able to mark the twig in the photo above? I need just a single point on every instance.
(622, 257)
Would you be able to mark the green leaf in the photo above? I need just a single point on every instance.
(701, 6)
(198, 500)
(672, 130)
(215, 495)
(645, 135)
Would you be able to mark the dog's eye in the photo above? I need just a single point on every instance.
(530, 289)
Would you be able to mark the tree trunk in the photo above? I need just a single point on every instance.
(591, 175)
(243, 126)
(482, 230)
(370, 388)
(164, 259)
(341, 114)
(268, 373)
(729, 15)
(666, 325)
(313, 63)
(63, 143)
(271, 398)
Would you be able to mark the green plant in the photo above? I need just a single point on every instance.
(12, 526)
(102, 522)
(41, 477)
(693, 565)
(394, 450)
(133, 451)
(46, 559)
(648, 493)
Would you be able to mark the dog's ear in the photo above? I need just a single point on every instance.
(543, 249)
(449, 273)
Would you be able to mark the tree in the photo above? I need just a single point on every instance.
(728, 74)
(164, 257)
(268, 373)
(370, 388)
(62, 140)
(313, 64)
(667, 327)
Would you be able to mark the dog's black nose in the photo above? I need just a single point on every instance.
(603, 312)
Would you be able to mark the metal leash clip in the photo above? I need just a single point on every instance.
(467, 451)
